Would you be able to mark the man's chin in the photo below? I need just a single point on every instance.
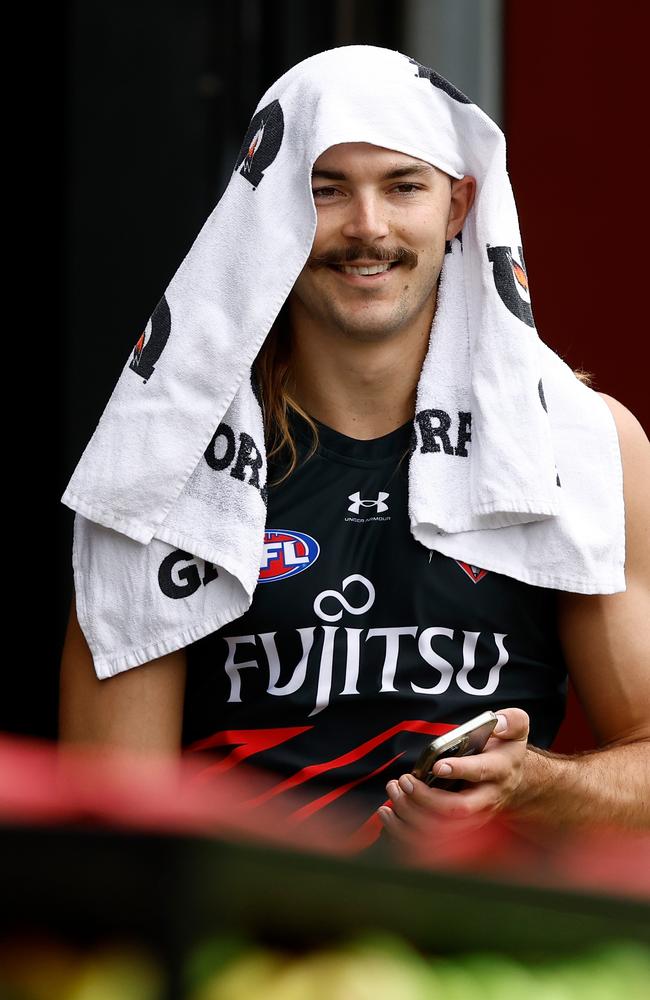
(368, 329)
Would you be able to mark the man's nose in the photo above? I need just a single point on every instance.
(366, 219)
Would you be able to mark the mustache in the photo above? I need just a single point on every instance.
(347, 255)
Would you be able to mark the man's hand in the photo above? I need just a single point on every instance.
(493, 776)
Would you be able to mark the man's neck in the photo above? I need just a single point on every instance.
(361, 389)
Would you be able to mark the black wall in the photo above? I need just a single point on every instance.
(132, 116)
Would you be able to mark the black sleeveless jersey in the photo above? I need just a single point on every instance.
(360, 643)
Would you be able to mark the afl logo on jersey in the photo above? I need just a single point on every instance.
(286, 553)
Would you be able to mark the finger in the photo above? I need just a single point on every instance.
(394, 793)
(399, 804)
(418, 805)
(512, 724)
(427, 829)
(498, 764)
(395, 828)
(409, 813)
(442, 840)
(410, 823)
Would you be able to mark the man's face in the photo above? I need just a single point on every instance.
(379, 211)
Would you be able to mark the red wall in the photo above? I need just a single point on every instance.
(576, 117)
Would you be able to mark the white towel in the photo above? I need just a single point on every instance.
(517, 465)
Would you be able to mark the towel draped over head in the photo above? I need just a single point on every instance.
(514, 464)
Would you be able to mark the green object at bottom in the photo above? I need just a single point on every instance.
(379, 966)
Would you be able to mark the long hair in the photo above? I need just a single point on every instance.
(273, 370)
(272, 367)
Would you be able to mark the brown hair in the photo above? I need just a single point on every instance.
(583, 376)
(272, 367)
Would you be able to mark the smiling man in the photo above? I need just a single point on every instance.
(383, 222)
(367, 294)
(414, 570)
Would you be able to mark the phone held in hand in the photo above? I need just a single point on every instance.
(468, 738)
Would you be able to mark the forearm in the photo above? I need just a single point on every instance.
(611, 785)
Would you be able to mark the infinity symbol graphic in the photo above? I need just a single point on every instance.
(341, 599)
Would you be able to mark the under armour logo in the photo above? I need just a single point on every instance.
(358, 503)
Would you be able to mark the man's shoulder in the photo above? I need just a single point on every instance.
(635, 461)
(630, 430)
(634, 445)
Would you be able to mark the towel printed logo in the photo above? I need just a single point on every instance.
(178, 581)
(439, 81)
(261, 143)
(449, 244)
(511, 282)
(149, 348)
(436, 428)
(243, 458)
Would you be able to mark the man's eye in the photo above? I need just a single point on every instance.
(324, 192)
(407, 188)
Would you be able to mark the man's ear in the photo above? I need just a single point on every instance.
(463, 192)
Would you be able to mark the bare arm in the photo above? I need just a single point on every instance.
(606, 641)
(140, 709)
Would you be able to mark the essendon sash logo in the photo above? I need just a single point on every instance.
(261, 143)
(475, 573)
(511, 282)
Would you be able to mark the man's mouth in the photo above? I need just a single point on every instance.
(365, 268)
(365, 262)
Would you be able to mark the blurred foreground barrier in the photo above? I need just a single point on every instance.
(42, 784)
(133, 870)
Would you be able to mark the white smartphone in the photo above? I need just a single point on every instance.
(468, 738)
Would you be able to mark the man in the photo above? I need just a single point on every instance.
(358, 338)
